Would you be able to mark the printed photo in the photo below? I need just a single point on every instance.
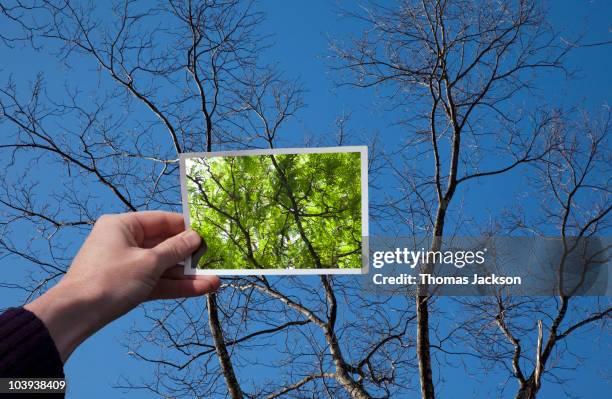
(277, 211)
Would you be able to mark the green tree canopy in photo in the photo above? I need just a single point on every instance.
(280, 211)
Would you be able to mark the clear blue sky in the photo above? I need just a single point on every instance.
(300, 33)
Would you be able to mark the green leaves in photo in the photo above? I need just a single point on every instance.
(297, 211)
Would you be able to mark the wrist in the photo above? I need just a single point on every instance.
(69, 313)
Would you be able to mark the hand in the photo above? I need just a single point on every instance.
(126, 259)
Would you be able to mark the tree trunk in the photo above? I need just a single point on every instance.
(527, 391)
(423, 347)
(224, 358)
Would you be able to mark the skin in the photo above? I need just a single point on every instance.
(126, 259)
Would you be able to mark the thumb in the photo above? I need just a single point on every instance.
(176, 249)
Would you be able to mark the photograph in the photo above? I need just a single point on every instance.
(278, 211)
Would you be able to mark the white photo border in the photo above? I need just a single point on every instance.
(363, 150)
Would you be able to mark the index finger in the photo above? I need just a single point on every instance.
(157, 224)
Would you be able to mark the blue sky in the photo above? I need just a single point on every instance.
(301, 31)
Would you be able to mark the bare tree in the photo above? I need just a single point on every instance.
(576, 177)
(182, 76)
(460, 68)
(529, 333)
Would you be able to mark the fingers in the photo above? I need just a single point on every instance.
(151, 242)
(171, 289)
(175, 249)
(157, 225)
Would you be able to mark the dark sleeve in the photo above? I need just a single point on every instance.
(26, 348)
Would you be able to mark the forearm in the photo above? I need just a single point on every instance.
(70, 313)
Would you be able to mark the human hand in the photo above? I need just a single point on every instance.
(126, 259)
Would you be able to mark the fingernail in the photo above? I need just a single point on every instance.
(192, 238)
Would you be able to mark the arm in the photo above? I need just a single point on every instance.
(126, 260)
